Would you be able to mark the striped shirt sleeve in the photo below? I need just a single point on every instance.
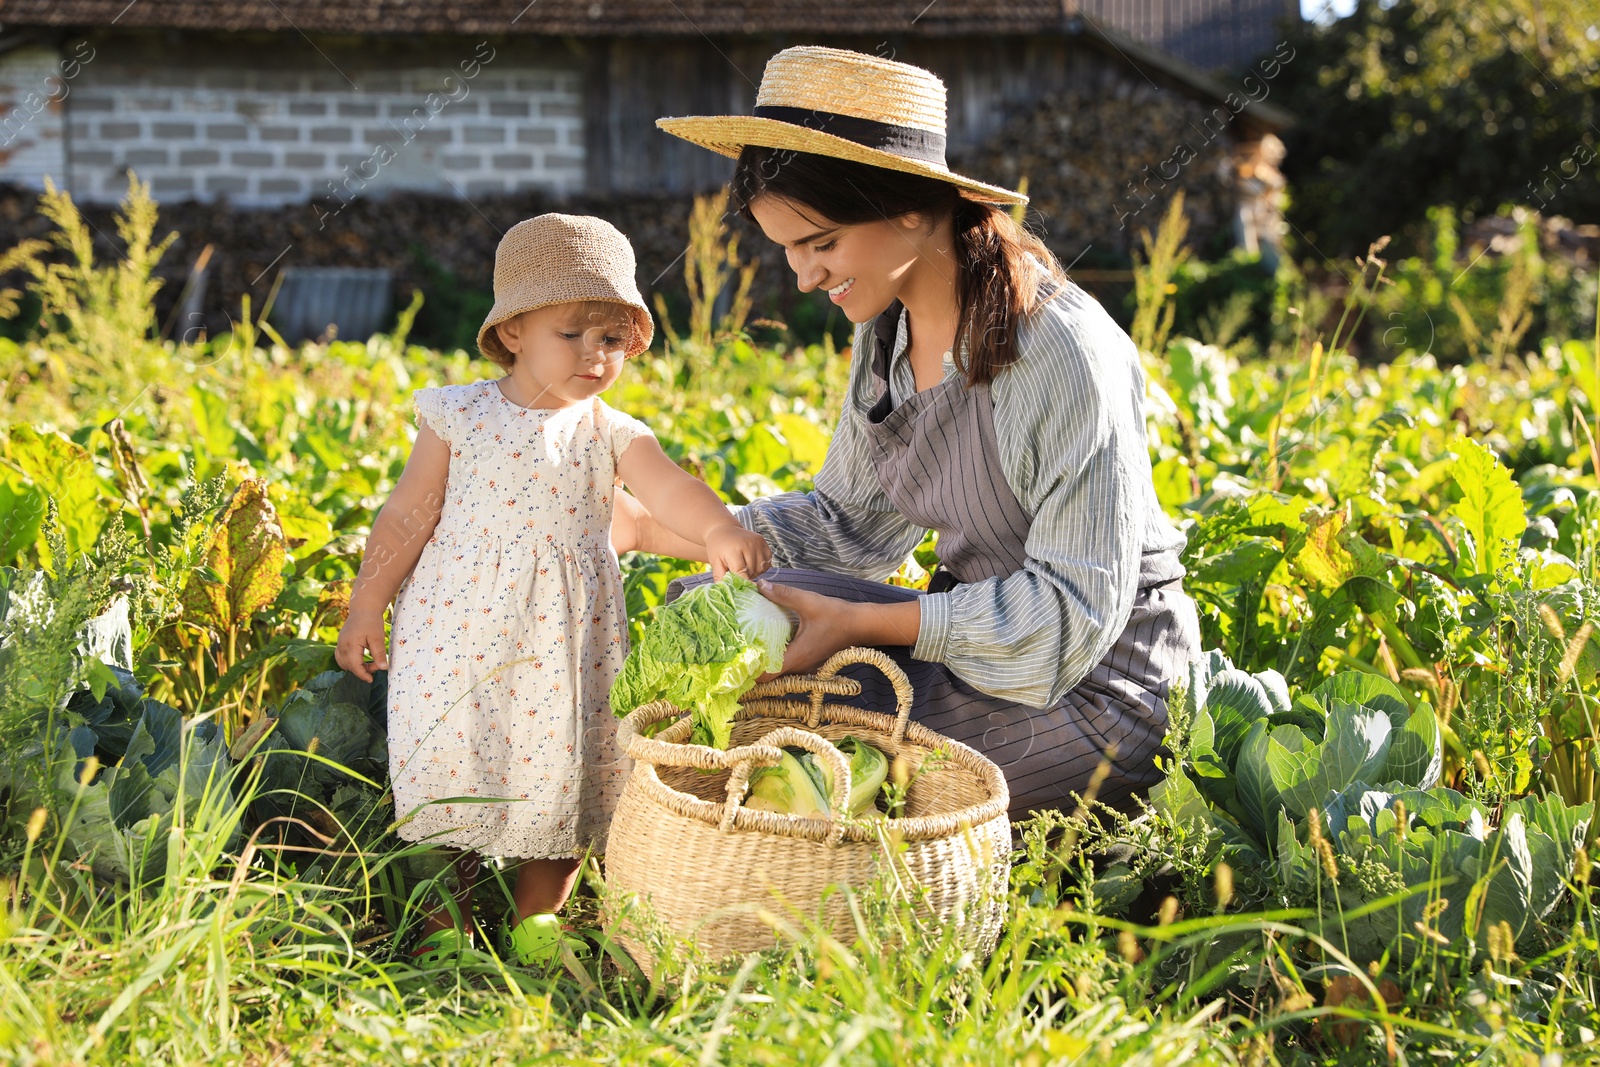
(1069, 424)
(845, 524)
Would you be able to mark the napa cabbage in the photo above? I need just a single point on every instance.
(702, 652)
(802, 784)
(796, 786)
(868, 769)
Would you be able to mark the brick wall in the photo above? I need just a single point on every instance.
(33, 101)
(225, 119)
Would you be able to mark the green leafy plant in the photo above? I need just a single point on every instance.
(118, 820)
(1461, 877)
(242, 573)
(323, 757)
(1253, 755)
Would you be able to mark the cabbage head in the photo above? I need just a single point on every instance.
(702, 652)
(796, 786)
(802, 784)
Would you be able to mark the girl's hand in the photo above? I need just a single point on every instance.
(824, 626)
(733, 548)
(362, 632)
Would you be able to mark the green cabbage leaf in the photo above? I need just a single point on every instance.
(702, 652)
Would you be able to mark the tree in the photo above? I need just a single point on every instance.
(1471, 103)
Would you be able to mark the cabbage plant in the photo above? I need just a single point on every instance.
(323, 755)
(1399, 842)
(168, 770)
(1255, 766)
(1254, 753)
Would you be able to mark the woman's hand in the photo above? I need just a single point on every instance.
(733, 548)
(828, 624)
(824, 626)
(362, 632)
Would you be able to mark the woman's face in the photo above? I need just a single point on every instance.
(862, 265)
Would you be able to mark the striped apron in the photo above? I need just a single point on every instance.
(938, 461)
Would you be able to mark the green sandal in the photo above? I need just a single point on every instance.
(442, 946)
(538, 940)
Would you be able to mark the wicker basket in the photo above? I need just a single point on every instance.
(683, 842)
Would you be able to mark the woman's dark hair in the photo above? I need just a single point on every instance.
(996, 283)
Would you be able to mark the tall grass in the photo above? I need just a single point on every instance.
(97, 319)
(231, 956)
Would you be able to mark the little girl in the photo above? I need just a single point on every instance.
(509, 616)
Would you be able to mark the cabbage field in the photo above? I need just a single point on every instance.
(1372, 844)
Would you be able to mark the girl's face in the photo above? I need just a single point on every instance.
(863, 266)
(564, 353)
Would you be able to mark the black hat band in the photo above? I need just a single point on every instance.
(908, 141)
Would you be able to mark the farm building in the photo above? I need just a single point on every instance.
(309, 106)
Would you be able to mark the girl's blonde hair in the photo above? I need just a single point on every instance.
(593, 312)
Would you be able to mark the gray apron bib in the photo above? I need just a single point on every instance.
(938, 461)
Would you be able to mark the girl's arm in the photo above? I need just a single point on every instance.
(399, 532)
(688, 507)
(635, 529)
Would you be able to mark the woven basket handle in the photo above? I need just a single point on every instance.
(673, 753)
(631, 728)
(751, 756)
(824, 682)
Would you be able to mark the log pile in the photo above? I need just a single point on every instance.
(404, 233)
(1098, 166)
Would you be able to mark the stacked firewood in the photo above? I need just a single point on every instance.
(1102, 166)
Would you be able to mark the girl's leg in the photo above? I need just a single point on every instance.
(542, 887)
(464, 876)
(544, 884)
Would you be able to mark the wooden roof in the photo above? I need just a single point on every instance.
(1207, 33)
(578, 17)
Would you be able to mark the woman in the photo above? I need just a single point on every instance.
(990, 399)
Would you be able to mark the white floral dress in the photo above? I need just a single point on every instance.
(508, 632)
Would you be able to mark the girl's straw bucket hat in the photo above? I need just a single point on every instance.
(835, 102)
(555, 258)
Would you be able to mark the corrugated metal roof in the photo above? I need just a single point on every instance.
(1207, 33)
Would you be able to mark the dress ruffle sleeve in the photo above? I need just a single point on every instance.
(623, 429)
(433, 410)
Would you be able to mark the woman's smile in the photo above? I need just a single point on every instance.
(842, 290)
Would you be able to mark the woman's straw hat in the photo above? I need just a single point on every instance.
(835, 102)
(555, 258)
